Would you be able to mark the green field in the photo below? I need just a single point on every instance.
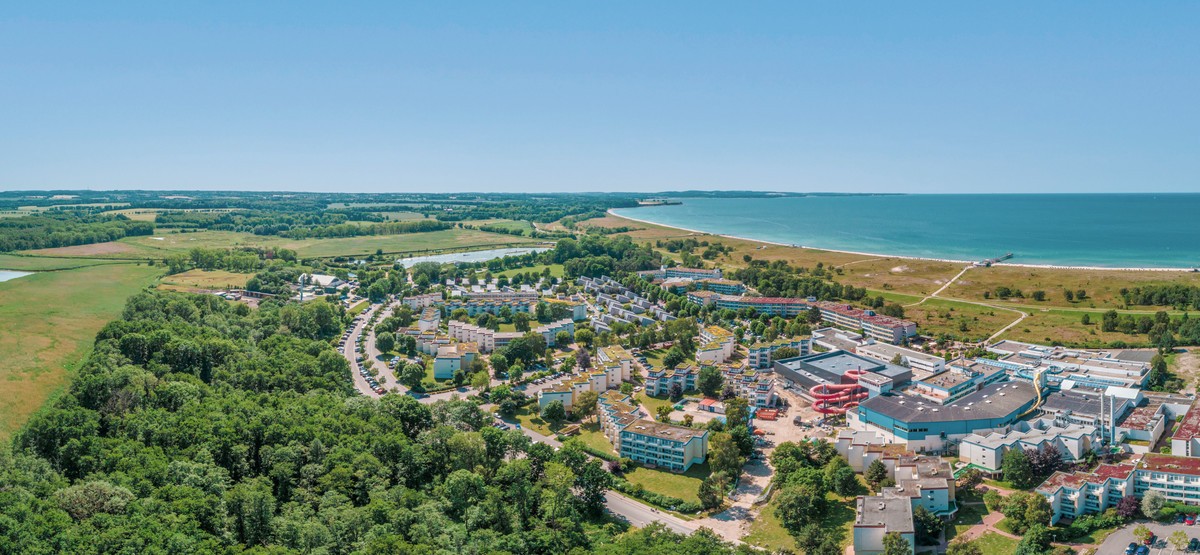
(556, 270)
(48, 322)
(38, 263)
(164, 244)
(992, 543)
(511, 225)
(684, 485)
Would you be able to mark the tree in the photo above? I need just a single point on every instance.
(1069, 295)
(675, 391)
(521, 321)
(1179, 540)
(1044, 460)
(795, 506)
(1017, 470)
(583, 361)
(875, 474)
(844, 481)
(1081, 294)
(927, 525)
(813, 316)
(591, 483)
(554, 412)
(895, 544)
(963, 548)
(1039, 295)
(385, 342)
(479, 380)
(969, 480)
(585, 337)
(1128, 507)
(663, 412)
(712, 489)
(585, 405)
(562, 338)
(710, 381)
(673, 358)
(411, 375)
(1085, 319)
(723, 454)
(1142, 533)
(1036, 540)
(499, 364)
(785, 352)
(1152, 503)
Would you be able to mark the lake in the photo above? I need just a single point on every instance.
(6, 275)
(472, 256)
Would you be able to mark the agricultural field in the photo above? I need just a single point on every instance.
(511, 225)
(48, 322)
(164, 244)
(203, 280)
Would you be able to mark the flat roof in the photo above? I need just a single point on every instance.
(997, 400)
(665, 431)
(890, 510)
(1174, 464)
(1189, 428)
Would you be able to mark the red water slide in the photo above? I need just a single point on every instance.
(838, 398)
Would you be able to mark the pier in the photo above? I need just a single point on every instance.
(990, 261)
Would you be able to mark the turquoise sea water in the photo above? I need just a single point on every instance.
(1111, 230)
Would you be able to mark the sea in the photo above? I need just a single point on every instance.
(1089, 230)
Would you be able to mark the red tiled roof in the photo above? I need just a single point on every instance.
(1170, 463)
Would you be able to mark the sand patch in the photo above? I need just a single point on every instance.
(899, 269)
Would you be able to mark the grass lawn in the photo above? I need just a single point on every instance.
(590, 435)
(358, 308)
(937, 316)
(652, 403)
(664, 482)
(48, 322)
(556, 270)
(992, 543)
(208, 279)
(968, 516)
(767, 530)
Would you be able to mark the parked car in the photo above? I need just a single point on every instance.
(1150, 540)
(1131, 549)
(1189, 520)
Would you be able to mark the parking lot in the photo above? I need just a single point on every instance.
(1116, 542)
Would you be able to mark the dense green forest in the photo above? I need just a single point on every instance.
(201, 426)
(64, 229)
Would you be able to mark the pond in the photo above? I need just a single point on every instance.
(6, 275)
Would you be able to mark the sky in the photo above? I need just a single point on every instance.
(915, 97)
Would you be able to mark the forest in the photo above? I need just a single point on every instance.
(64, 229)
(201, 426)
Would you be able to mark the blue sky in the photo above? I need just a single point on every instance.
(601, 96)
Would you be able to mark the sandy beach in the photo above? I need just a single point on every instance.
(903, 257)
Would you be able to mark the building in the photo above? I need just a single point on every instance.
(430, 319)
(418, 302)
(576, 310)
(659, 380)
(876, 326)
(761, 353)
(326, 283)
(772, 306)
(452, 358)
(756, 386)
(920, 363)
(1073, 494)
(722, 286)
(489, 340)
(1186, 439)
(878, 515)
(716, 345)
(1071, 367)
(986, 451)
(648, 442)
(956, 381)
(688, 273)
(616, 355)
(475, 307)
(928, 426)
(837, 368)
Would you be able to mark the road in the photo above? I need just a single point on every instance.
(348, 351)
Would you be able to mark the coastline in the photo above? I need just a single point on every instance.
(900, 256)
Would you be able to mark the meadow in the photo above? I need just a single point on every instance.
(48, 322)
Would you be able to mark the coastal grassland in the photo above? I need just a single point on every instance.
(767, 531)
(39, 263)
(937, 316)
(207, 279)
(48, 322)
(916, 277)
(1102, 286)
(1065, 326)
(556, 270)
(167, 243)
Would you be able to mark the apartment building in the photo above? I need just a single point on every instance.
(772, 306)
(757, 387)
(451, 358)
(1072, 494)
(876, 326)
(475, 307)
(616, 355)
(648, 442)
(658, 380)
(418, 302)
(689, 273)
(430, 319)
(717, 345)
(760, 354)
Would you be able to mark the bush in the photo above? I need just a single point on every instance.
(663, 501)
(604, 455)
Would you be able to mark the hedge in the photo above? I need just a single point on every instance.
(664, 501)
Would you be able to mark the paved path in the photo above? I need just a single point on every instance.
(943, 287)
